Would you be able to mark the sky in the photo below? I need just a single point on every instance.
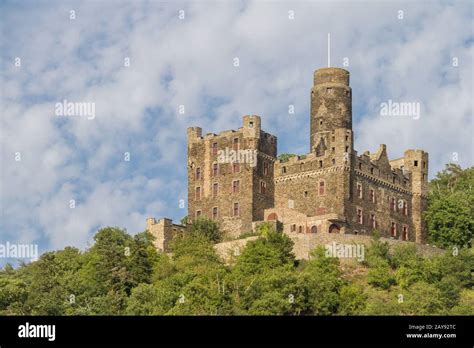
(142, 63)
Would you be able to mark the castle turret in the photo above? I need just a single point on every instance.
(416, 162)
(194, 134)
(252, 126)
(331, 108)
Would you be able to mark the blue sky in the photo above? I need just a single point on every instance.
(189, 62)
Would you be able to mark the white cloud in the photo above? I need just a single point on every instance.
(190, 62)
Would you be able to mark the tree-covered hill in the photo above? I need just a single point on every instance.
(125, 275)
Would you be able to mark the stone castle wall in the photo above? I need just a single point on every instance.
(223, 183)
(331, 190)
(304, 244)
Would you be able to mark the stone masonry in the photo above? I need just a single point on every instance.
(235, 178)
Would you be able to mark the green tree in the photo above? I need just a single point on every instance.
(423, 299)
(321, 280)
(207, 228)
(408, 264)
(143, 256)
(51, 281)
(274, 292)
(353, 300)
(379, 274)
(376, 250)
(272, 251)
(284, 157)
(450, 212)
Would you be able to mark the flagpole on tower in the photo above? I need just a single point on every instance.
(329, 50)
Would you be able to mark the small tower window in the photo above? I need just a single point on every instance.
(263, 187)
(416, 164)
(214, 213)
(215, 169)
(250, 124)
(215, 189)
(283, 170)
(198, 193)
(359, 191)
(320, 164)
(198, 173)
(214, 148)
(235, 186)
(360, 217)
(236, 144)
(320, 122)
(236, 209)
(198, 213)
(372, 195)
(372, 171)
(333, 161)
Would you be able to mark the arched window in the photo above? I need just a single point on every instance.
(334, 228)
(272, 217)
(314, 229)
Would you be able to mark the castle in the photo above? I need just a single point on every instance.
(235, 178)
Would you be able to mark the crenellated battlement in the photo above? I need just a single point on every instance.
(330, 190)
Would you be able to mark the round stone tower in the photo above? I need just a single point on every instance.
(331, 103)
